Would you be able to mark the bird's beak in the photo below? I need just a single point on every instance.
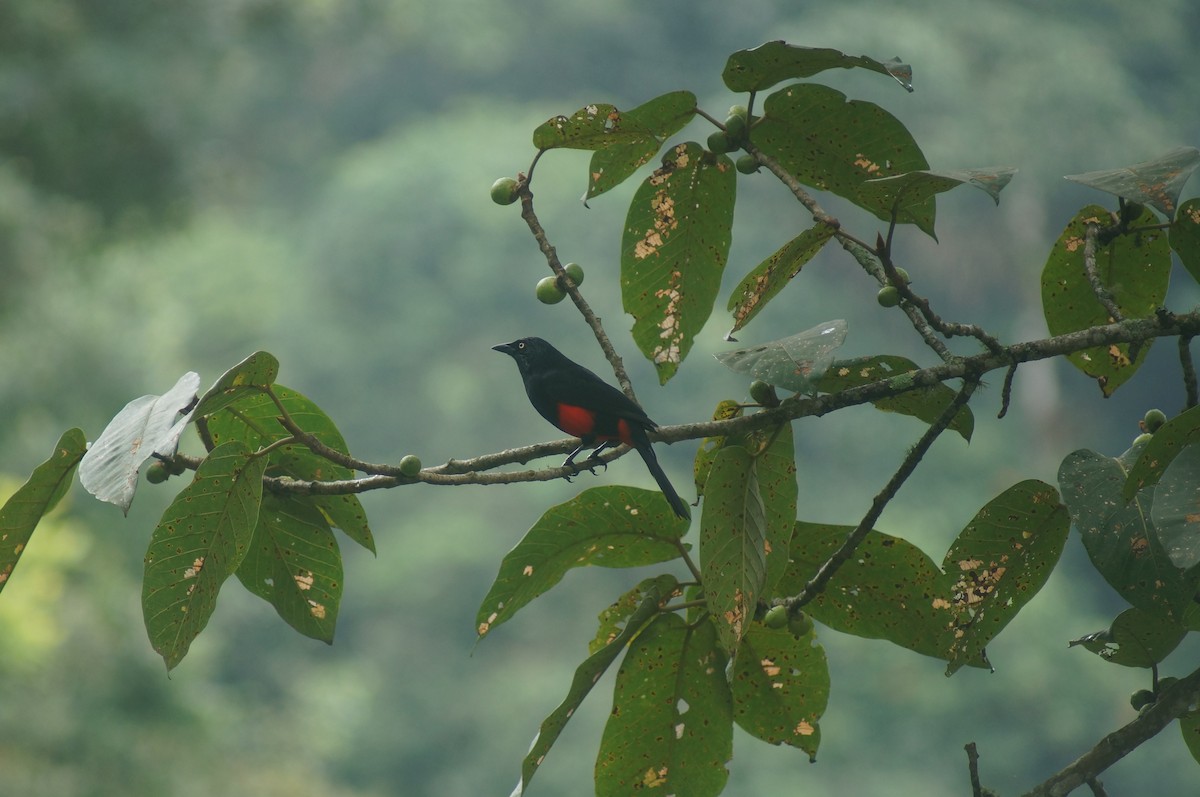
(504, 348)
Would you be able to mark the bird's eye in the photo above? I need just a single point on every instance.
(520, 345)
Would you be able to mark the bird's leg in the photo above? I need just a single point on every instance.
(592, 458)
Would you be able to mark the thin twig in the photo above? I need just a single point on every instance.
(1097, 787)
(839, 557)
(973, 768)
(1006, 391)
(1103, 295)
(572, 290)
(1189, 371)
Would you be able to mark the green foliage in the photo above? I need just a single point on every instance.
(699, 648)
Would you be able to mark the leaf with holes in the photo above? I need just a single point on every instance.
(770, 276)
(199, 542)
(293, 563)
(914, 188)
(252, 375)
(1135, 639)
(1120, 537)
(591, 127)
(926, 403)
(1134, 268)
(1154, 182)
(671, 726)
(34, 499)
(1176, 510)
(732, 551)
(773, 62)
(834, 144)
(1156, 456)
(780, 688)
(795, 363)
(638, 607)
(602, 526)
(677, 237)
(145, 426)
(999, 562)
(1184, 236)
(636, 138)
(889, 589)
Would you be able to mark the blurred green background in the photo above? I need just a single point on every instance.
(182, 184)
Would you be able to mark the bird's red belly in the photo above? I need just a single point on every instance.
(585, 423)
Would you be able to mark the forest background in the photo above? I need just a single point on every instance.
(182, 184)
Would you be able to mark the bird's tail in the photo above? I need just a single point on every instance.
(678, 504)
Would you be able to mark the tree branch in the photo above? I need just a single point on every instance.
(472, 471)
(1174, 702)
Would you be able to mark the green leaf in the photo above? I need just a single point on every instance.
(673, 252)
(836, 145)
(1120, 537)
(602, 526)
(999, 562)
(890, 589)
(34, 499)
(254, 419)
(293, 563)
(252, 375)
(671, 729)
(199, 542)
(914, 188)
(773, 62)
(706, 454)
(926, 404)
(637, 137)
(732, 550)
(1189, 726)
(1155, 182)
(768, 278)
(1133, 267)
(588, 128)
(1184, 236)
(1176, 510)
(147, 425)
(795, 363)
(780, 688)
(1171, 438)
(639, 606)
(775, 466)
(1135, 639)
(346, 512)
(614, 619)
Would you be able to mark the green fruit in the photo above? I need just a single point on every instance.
(1140, 439)
(1154, 420)
(1166, 683)
(739, 110)
(504, 191)
(746, 164)
(903, 275)
(735, 128)
(888, 296)
(718, 142)
(762, 393)
(1140, 699)
(575, 272)
(410, 465)
(548, 291)
(800, 624)
(777, 617)
(157, 473)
